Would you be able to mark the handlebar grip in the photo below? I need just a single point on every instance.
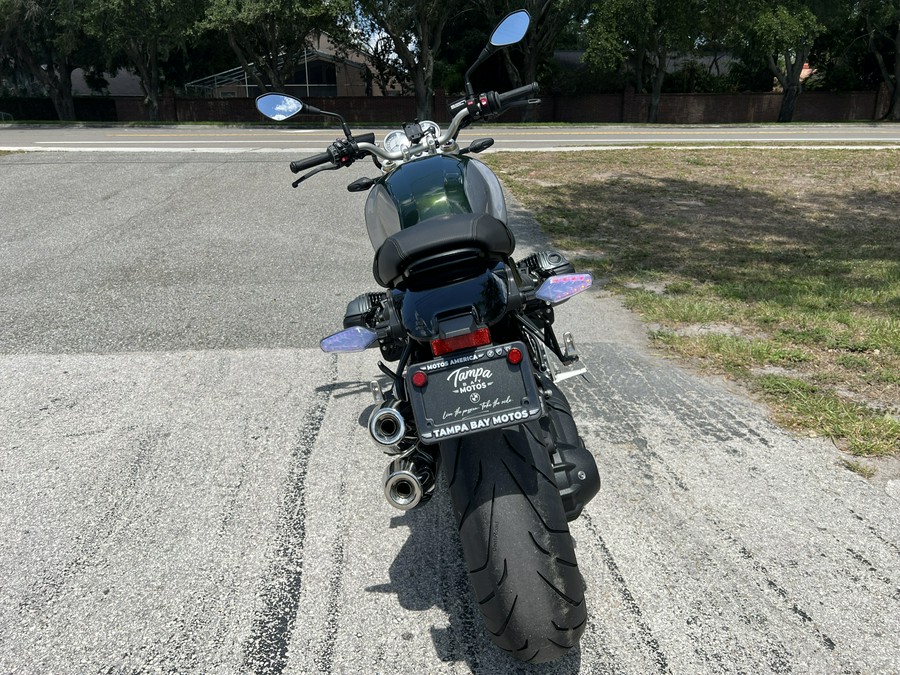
(310, 162)
(527, 91)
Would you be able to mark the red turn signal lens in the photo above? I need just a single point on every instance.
(514, 356)
(419, 379)
(477, 338)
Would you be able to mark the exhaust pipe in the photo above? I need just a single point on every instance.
(409, 481)
(390, 429)
(387, 426)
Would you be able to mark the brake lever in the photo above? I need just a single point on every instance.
(521, 104)
(313, 173)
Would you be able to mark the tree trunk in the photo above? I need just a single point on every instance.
(790, 82)
(424, 93)
(658, 71)
(153, 103)
(251, 72)
(141, 56)
(893, 112)
(61, 94)
(891, 82)
(788, 103)
(55, 78)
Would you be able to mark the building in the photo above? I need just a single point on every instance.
(323, 73)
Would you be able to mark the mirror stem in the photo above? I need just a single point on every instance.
(485, 53)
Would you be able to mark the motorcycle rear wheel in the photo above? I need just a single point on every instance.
(516, 541)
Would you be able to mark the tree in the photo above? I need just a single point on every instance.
(384, 67)
(42, 37)
(145, 31)
(882, 19)
(784, 36)
(269, 37)
(416, 31)
(640, 35)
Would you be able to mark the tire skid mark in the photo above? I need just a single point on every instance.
(457, 599)
(463, 619)
(266, 648)
(641, 444)
(646, 634)
(324, 658)
(779, 591)
(875, 533)
(865, 562)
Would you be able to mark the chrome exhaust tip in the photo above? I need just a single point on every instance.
(402, 487)
(387, 426)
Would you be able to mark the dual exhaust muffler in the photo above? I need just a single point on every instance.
(410, 477)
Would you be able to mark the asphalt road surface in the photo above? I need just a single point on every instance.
(303, 141)
(185, 485)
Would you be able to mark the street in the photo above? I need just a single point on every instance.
(186, 485)
(200, 138)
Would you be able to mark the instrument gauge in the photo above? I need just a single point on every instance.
(395, 141)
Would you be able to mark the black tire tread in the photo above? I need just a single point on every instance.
(516, 541)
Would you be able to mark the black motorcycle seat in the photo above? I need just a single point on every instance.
(441, 234)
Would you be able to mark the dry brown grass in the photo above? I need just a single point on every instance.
(749, 260)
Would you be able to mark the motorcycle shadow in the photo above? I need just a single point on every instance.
(344, 389)
(429, 573)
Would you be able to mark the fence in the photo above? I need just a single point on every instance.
(812, 106)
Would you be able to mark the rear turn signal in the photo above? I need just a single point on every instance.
(477, 338)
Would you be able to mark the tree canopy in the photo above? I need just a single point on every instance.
(419, 45)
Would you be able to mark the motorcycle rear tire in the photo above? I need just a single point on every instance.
(516, 541)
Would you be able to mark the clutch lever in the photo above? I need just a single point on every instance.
(313, 173)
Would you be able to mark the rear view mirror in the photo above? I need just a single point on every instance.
(508, 32)
(278, 106)
(511, 29)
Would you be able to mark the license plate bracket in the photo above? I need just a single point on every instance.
(469, 392)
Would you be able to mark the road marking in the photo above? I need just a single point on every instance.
(248, 141)
(254, 134)
(560, 148)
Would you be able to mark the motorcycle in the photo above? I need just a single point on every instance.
(474, 391)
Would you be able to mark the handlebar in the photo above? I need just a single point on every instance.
(339, 151)
(489, 104)
(310, 162)
(527, 91)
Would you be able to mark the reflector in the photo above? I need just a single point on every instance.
(354, 339)
(477, 338)
(558, 288)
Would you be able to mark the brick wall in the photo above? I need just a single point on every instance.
(812, 106)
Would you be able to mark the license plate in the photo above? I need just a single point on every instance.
(472, 392)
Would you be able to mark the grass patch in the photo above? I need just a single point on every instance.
(802, 405)
(858, 467)
(750, 261)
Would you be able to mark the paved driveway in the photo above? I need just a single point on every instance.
(185, 485)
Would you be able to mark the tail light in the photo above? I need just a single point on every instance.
(477, 338)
